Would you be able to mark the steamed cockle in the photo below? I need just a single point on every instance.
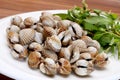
(101, 60)
(13, 28)
(86, 56)
(83, 68)
(76, 29)
(26, 36)
(34, 46)
(49, 54)
(19, 52)
(93, 51)
(48, 31)
(65, 37)
(53, 43)
(48, 21)
(91, 43)
(29, 21)
(34, 59)
(13, 37)
(63, 25)
(48, 67)
(64, 66)
(38, 37)
(17, 20)
(39, 27)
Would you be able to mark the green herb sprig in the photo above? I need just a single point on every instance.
(100, 25)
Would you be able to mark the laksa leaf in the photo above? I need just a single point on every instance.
(98, 20)
(98, 35)
(62, 15)
(89, 27)
(105, 39)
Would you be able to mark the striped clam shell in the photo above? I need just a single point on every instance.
(26, 36)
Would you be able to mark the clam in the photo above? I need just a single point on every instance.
(22, 25)
(13, 37)
(49, 54)
(35, 46)
(83, 68)
(101, 60)
(79, 43)
(86, 56)
(93, 51)
(19, 52)
(48, 31)
(53, 43)
(48, 21)
(76, 28)
(63, 25)
(57, 18)
(61, 35)
(64, 66)
(71, 31)
(14, 28)
(65, 37)
(75, 55)
(65, 52)
(46, 14)
(95, 44)
(34, 59)
(29, 21)
(86, 39)
(16, 20)
(38, 37)
(48, 67)
(26, 36)
(39, 28)
(89, 42)
(70, 53)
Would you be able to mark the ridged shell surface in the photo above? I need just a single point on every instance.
(26, 36)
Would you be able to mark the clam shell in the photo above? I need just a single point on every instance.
(34, 59)
(64, 66)
(83, 67)
(38, 37)
(48, 31)
(19, 52)
(101, 60)
(49, 54)
(53, 43)
(16, 20)
(14, 28)
(49, 67)
(13, 37)
(26, 36)
(48, 21)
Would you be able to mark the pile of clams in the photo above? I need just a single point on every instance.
(54, 46)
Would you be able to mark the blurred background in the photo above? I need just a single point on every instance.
(11, 7)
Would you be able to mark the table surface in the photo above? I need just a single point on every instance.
(11, 7)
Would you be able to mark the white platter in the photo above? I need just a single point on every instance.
(20, 70)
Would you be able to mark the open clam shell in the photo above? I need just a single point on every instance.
(83, 68)
(64, 66)
(48, 67)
